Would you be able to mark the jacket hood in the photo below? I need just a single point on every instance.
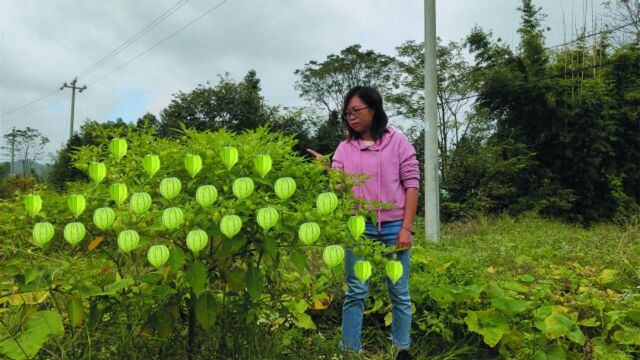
(385, 140)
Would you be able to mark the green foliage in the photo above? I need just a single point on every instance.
(229, 285)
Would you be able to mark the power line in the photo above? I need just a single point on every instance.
(159, 42)
(132, 59)
(110, 55)
(582, 37)
(133, 38)
(549, 77)
(30, 102)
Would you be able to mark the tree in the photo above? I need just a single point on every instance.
(28, 145)
(325, 83)
(230, 105)
(454, 88)
(625, 13)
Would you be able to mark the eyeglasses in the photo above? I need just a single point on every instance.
(354, 112)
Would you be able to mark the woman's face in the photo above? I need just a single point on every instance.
(359, 116)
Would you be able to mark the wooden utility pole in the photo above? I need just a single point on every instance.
(73, 88)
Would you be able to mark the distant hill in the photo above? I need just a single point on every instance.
(42, 170)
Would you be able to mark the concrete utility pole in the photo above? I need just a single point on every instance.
(432, 189)
(73, 88)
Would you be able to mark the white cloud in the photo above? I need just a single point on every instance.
(45, 43)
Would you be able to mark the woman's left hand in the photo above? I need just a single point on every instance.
(404, 239)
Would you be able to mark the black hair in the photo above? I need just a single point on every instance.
(372, 98)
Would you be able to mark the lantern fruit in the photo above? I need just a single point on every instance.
(262, 164)
(140, 202)
(33, 203)
(151, 164)
(333, 255)
(267, 218)
(118, 193)
(197, 240)
(326, 203)
(285, 187)
(97, 171)
(230, 225)
(76, 204)
(74, 232)
(243, 187)
(356, 225)
(206, 195)
(104, 217)
(229, 156)
(172, 218)
(193, 164)
(362, 269)
(158, 255)
(128, 240)
(118, 148)
(170, 187)
(394, 270)
(309, 232)
(42, 233)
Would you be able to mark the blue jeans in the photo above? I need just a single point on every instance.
(353, 306)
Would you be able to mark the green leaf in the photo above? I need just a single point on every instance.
(75, 311)
(38, 328)
(440, 295)
(388, 318)
(299, 259)
(254, 282)
(607, 276)
(236, 278)
(557, 325)
(176, 258)
(197, 277)
(510, 306)
(304, 321)
(271, 247)
(489, 323)
(230, 247)
(576, 335)
(207, 309)
(627, 336)
(114, 287)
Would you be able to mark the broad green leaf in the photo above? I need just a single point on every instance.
(607, 276)
(299, 259)
(254, 282)
(557, 325)
(271, 247)
(207, 309)
(113, 288)
(38, 328)
(489, 323)
(236, 278)
(627, 336)
(75, 311)
(440, 295)
(176, 258)
(510, 306)
(197, 277)
(304, 321)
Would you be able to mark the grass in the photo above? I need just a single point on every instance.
(501, 248)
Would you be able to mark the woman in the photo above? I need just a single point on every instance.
(378, 150)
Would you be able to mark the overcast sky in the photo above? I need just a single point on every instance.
(44, 43)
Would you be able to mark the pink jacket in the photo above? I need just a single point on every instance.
(392, 166)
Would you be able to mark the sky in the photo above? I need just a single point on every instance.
(46, 43)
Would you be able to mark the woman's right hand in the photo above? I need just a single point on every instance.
(314, 153)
